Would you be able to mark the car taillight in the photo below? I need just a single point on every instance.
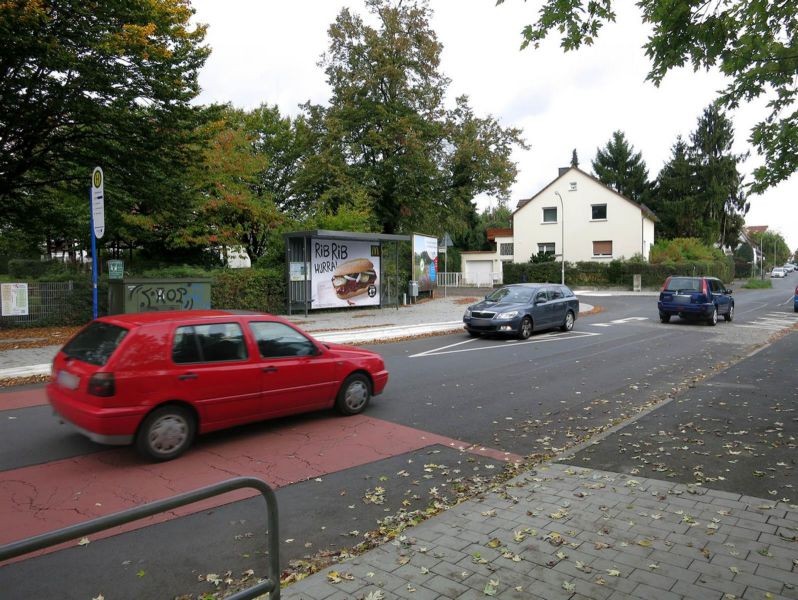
(665, 285)
(102, 384)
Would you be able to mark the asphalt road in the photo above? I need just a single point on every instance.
(622, 392)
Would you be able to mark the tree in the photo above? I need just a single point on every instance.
(574, 159)
(621, 168)
(673, 199)
(107, 83)
(718, 182)
(752, 43)
(231, 212)
(386, 133)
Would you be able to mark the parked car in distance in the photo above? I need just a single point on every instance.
(156, 379)
(697, 298)
(778, 272)
(795, 300)
(522, 308)
(789, 267)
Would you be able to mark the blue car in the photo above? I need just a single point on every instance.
(795, 300)
(522, 308)
(696, 298)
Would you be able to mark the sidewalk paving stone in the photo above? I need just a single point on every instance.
(630, 555)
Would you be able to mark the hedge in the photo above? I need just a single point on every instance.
(614, 273)
(249, 289)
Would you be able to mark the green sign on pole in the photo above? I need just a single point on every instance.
(116, 269)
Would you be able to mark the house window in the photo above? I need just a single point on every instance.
(599, 212)
(572, 186)
(550, 215)
(548, 247)
(505, 249)
(602, 248)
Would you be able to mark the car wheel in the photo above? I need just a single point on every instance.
(568, 324)
(713, 319)
(664, 318)
(166, 433)
(354, 395)
(525, 328)
(729, 315)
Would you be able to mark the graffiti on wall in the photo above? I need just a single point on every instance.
(167, 296)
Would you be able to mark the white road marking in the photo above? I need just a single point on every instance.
(619, 321)
(549, 337)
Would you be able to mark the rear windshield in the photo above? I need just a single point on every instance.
(96, 343)
(684, 284)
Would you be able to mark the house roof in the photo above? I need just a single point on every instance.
(494, 232)
(756, 229)
(563, 172)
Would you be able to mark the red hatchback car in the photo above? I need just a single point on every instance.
(156, 379)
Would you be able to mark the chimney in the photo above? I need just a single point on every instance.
(563, 171)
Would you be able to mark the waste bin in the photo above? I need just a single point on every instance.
(412, 290)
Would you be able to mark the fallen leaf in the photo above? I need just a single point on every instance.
(568, 586)
(491, 587)
(613, 572)
(84, 541)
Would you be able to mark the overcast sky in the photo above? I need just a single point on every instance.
(264, 51)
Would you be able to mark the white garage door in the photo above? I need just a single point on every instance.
(479, 272)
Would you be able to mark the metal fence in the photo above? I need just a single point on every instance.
(270, 585)
(50, 302)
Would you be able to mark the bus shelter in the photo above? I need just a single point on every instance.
(341, 269)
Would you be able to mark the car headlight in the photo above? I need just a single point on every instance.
(507, 315)
(467, 312)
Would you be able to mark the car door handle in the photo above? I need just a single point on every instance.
(269, 369)
(187, 376)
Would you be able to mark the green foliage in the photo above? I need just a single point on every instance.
(386, 133)
(542, 257)
(683, 250)
(176, 272)
(33, 268)
(619, 167)
(751, 43)
(772, 245)
(758, 284)
(615, 273)
(249, 289)
(104, 83)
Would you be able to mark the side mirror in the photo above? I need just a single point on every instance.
(729, 291)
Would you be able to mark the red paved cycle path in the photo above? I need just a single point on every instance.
(41, 498)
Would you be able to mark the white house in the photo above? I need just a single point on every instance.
(576, 216)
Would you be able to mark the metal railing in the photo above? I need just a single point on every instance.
(270, 585)
(49, 302)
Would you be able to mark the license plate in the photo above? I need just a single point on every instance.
(68, 380)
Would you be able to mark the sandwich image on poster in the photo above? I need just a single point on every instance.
(342, 276)
(354, 277)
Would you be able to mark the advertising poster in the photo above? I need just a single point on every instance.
(425, 262)
(344, 273)
(14, 299)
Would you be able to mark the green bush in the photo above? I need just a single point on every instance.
(758, 284)
(616, 272)
(249, 289)
(27, 268)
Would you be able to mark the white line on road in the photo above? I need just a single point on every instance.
(549, 337)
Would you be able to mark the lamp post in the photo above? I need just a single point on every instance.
(562, 235)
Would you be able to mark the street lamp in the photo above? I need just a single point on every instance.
(562, 235)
